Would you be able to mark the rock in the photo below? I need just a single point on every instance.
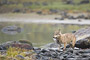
(69, 2)
(65, 55)
(39, 12)
(70, 50)
(83, 43)
(53, 10)
(48, 54)
(84, 2)
(85, 55)
(54, 55)
(83, 38)
(20, 57)
(71, 17)
(50, 45)
(43, 50)
(81, 16)
(36, 48)
(37, 51)
(16, 10)
(73, 31)
(68, 54)
(2, 47)
(75, 48)
(23, 44)
(79, 20)
(59, 18)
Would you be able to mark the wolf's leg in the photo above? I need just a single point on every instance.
(64, 46)
(73, 42)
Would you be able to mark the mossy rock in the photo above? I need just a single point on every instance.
(19, 44)
(25, 42)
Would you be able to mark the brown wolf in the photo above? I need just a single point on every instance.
(65, 39)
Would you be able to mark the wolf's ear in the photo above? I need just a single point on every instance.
(59, 31)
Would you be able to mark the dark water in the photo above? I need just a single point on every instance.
(38, 34)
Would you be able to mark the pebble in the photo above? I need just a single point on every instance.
(68, 54)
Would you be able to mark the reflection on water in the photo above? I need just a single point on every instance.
(38, 34)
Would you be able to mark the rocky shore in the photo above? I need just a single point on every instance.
(68, 54)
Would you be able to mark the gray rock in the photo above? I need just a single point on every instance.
(71, 17)
(39, 12)
(16, 10)
(50, 45)
(53, 10)
(70, 59)
(59, 18)
(44, 50)
(69, 2)
(20, 56)
(84, 2)
(2, 47)
(81, 16)
(83, 38)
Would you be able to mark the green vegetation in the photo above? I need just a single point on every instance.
(17, 54)
(51, 4)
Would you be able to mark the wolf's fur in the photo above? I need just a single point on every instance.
(65, 39)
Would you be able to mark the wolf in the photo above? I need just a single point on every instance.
(65, 39)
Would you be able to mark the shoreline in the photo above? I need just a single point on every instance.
(42, 19)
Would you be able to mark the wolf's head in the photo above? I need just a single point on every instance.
(57, 34)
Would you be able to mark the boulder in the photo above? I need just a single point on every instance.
(83, 38)
(18, 44)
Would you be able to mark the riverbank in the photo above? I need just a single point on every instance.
(35, 18)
